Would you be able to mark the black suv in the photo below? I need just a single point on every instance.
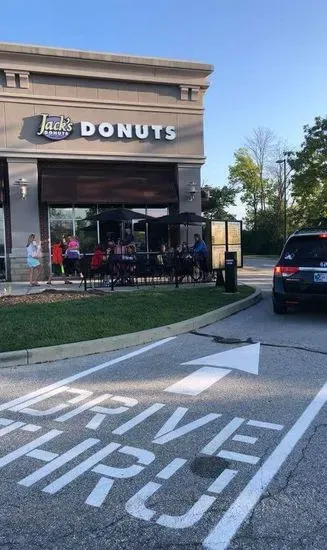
(301, 272)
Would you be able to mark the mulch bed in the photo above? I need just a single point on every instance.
(48, 296)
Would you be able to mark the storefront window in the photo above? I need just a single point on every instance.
(81, 213)
(60, 213)
(87, 233)
(157, 212)
(77, 220)
(65, 221)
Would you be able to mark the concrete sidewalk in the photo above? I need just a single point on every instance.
(257, 271)
(23, 289)
(20, 289)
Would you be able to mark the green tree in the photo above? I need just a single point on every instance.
(244, 177)
(218, 200)
(309, 177)
(262, 145)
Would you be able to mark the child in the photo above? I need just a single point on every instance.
(33, 251)
(73, 244)
(98, 258)
(57, 262)
(72, 257)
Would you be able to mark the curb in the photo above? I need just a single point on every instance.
(112, 343)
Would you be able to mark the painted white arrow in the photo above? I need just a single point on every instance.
(245, 358)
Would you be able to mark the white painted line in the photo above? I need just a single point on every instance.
(5, 421)
(169, 470)
(21, 451)
(40, 454)
(11, 428)
(135, 506)
(138, 419)
(222, 436)
(245, 439)
(82, 394)
(192, 516)
(58, 462)
(96, 421)
(49, 394)
(82, 408)
(128, 401)
(183, 430)
(85, 373)
(119, 473)
(172, 421)
(198, 381)
(222, 481)
(31, 428)
(143, 457)
(265, 425)
(100, 492)
(80, 469)
(227, 527)
(239, 457)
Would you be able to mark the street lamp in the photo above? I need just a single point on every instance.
(283, 161)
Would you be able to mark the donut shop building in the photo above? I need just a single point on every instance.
(81, 132)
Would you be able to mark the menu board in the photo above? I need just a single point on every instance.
(218, 256)
(225, 236)
(236, 248)
(218, 233)
(234, 233)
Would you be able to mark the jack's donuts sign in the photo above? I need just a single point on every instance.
(60, 127)
(55, 127)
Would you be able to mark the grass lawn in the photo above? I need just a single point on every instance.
(26, 326)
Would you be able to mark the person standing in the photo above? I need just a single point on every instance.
(33, 251)
(57, 262)
(200, 251)
(129, 237)
(72, 256)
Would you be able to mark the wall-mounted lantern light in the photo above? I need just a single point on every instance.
(23, 184)
(191, 191)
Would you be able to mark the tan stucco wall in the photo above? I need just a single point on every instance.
(19, 124)
(99, 88)
(95, 87)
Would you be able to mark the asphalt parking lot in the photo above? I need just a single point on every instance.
(214, 439)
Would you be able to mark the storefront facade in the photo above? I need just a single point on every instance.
(87, 131)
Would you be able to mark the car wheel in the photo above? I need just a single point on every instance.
(279, 308)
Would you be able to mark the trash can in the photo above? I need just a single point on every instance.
(230, 272)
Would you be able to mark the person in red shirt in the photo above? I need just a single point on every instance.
(57, 260)
(98, 258)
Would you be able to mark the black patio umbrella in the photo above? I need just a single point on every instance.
(182, 218)
(119, 215)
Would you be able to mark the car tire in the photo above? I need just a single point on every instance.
(279, 308)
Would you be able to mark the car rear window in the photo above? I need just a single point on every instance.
(305, 250)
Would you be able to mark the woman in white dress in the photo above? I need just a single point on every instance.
(33, 251)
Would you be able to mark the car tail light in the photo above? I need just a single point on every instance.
(285, 270)
(323, 236)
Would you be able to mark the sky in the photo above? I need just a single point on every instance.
(269, 56)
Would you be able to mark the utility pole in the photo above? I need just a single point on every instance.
(283, 161)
